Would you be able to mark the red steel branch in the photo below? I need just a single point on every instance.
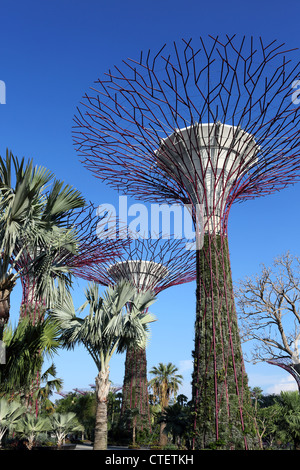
(89, 248)
(156, 264)
(125, 117)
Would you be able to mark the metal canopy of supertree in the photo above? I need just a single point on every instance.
(286, 364)
(148, 264)
(46, 263)
(207, 122)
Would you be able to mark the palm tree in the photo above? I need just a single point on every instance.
(35, 229)
(43, 392)
(108, 328)
(52, 253)
(164, 384)
(44, 263)
(62, 424)
(19, 204)
(10, 413)
(26, 347)
(30, 426)
(177, 419)
(30, 218)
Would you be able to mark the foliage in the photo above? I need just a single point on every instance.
(62, 424)
(45, 389)
(107, 328)
(10, 413)
(33, 213)
(165, 383)
(178, 419)
(84, 406)
(288, 420)
(277, 419)
(115, 320)
(30, 426)
(26, 347)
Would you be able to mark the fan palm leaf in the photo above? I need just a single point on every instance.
(26, 347)
(34, 210)
(114, 320)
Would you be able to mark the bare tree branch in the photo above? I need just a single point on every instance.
(269, 310)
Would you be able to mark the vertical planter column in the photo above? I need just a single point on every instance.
(221, 395)
(135, 388)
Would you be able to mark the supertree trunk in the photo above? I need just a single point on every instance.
(34, 310)
(221, 396)
(135, 388)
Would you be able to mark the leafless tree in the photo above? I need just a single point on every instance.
(269, 310)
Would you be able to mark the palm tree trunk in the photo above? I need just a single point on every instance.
(163, 438)
(102, 389)
(30, 442)
(6, 287)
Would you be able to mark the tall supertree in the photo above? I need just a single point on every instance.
(208, 123)
(149, 264)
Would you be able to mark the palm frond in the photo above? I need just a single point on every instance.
(111, 323)
(61, 199)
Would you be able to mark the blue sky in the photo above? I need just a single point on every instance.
(50, 53)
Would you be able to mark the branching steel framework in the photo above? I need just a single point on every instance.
(149, 264)
(167, 264)
(45, 263)
(208, 122)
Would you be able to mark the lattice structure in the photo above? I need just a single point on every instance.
(286, 364)
(148, 264)
(208, 122)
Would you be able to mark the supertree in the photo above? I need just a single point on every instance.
(209, 123)
(153, 264)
